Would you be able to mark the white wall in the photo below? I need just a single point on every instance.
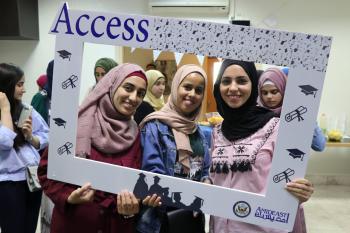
(33, 56)
(323, 17)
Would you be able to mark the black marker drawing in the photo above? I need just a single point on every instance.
(296, 114)
(141, 191)
(70, 82)
(141, 187)
(65, 148)
(296, 153)
(176, 196)
(60, 122)
(64, 54)
(155, 187)
(308, 90)
(220, 151)
(283, 176)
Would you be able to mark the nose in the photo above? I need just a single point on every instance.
(233, 86)
(192, 92)
(133, 96)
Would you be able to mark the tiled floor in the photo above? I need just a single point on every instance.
(328, 211)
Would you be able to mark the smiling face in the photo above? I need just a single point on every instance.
(190, 93)
(129, 95)
(271, 96)
(235, 86)
(158, 88)
(19, 89)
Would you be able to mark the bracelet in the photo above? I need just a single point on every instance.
(128, 216)
(30, 139)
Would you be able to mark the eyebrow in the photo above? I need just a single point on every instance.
(141, 88)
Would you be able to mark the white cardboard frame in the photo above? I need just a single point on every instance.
(306, 55)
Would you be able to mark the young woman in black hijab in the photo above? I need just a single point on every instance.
(243, 145)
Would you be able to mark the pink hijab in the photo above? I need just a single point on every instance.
(181, 125)
(279, 79)
(99, 123)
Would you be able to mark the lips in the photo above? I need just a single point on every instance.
(129, 105)
(234, 98)
(188, 102)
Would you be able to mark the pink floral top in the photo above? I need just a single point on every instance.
(243, 164)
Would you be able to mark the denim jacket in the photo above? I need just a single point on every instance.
(159, 156)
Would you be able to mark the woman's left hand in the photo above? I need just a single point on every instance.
(301, 189)
(27, 128)
(152, 201)
(127, 204)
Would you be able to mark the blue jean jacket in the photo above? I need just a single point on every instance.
(159, 156)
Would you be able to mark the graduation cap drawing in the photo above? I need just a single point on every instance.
(308, 90)
(64, 54)
(60, 122)
(296, 153)
(197, 204)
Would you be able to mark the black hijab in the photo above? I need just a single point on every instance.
(246, 120)
(49, 74)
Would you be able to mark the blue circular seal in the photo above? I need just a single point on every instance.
(241, 209)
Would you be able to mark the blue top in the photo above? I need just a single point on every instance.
(13, 163)
(318, 140)
(159, 156)
(159, 149)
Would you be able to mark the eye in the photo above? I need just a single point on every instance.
(141, 94)
(187, 87)
(225, 81)
(242, 80)
(274, 92)
(20, 84)
(128, 88)
(264, 92)
(199, 90)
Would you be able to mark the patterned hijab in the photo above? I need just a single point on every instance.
(99, 123)
(152, 78)
(170, 115)
(279, 79)
(246, 120)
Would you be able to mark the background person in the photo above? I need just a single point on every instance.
(19, 145)
(272, 85)
(154, 99)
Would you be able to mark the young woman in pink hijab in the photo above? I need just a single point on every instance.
(106, 133)
(272, 84)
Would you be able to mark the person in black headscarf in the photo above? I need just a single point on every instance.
(243, 144)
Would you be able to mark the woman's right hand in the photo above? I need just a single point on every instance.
(127, 204)
(82, 195)
(4, 102)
